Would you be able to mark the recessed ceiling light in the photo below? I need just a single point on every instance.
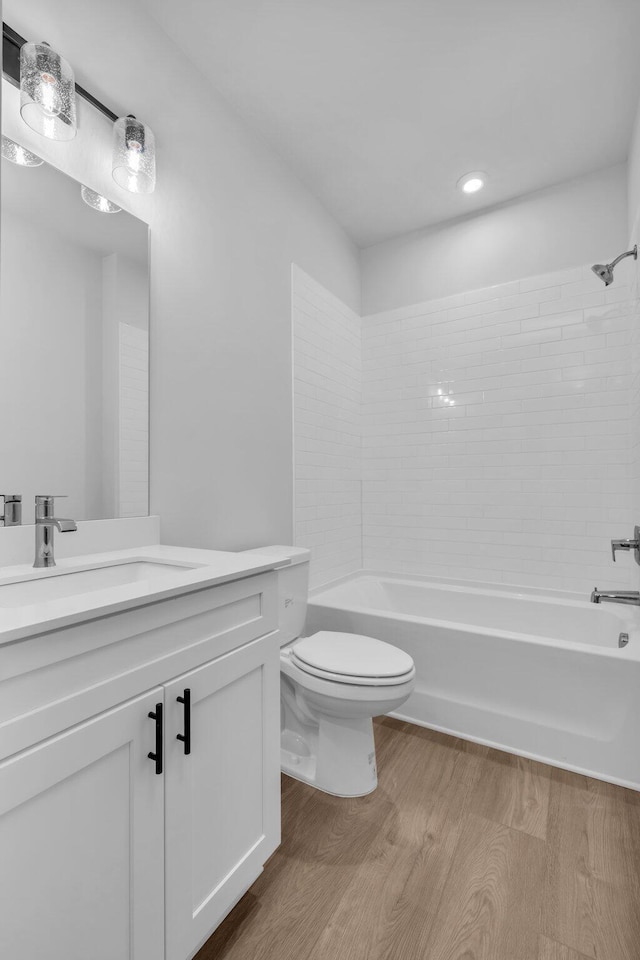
(472, 182)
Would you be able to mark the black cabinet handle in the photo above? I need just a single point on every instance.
(157, 756)
(186, 736)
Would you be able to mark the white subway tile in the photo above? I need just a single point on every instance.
(515, 472)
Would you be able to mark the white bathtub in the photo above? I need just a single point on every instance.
(541, 675)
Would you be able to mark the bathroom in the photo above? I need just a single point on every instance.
(333, 647)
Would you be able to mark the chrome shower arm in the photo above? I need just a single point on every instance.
(629, 253)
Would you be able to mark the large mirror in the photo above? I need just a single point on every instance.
(74, 348)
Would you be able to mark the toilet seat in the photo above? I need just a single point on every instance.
(352, 658)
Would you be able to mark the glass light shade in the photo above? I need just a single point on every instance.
(134, 156)
(97, 201)
(16, 153)
(47, 92)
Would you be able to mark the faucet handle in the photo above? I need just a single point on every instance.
(45, 504)
(620, 545)
(625, 545)
(12, 516)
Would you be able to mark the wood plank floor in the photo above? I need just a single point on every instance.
(462, 853)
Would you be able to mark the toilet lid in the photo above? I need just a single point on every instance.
(352, 658)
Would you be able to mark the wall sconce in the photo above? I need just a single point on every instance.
(16, 153)
(97, 201)
(134, 155)
(47, 92)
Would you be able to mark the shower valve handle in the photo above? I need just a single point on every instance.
(628, 545)
(622, 545)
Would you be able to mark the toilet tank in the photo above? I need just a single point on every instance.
(293, 588)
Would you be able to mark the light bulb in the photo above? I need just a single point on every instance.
(49, 94)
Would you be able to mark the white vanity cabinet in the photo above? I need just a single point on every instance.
(104, 853)
(81, 821)
(222, 800)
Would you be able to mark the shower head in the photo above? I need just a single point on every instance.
(605, 270)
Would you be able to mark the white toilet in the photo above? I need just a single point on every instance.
(332, 684)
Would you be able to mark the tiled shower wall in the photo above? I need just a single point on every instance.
(327, 429)
(497, 433)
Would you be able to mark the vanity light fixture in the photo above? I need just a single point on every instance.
(97, 201)
(134, 155)
(48, 105)
(472, 182)
(16, 153)
(47, 92)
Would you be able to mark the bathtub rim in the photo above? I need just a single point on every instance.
(475, 586)
(629, 616)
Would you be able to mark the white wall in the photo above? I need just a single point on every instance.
(633, 183)
(496, 434)
(578, 222)
(327, 429)
(227, 220)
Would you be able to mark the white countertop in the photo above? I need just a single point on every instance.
(214, 567)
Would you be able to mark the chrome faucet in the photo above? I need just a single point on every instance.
(616, 596)
(46, 523)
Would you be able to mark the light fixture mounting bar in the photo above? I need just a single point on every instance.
(11, 43)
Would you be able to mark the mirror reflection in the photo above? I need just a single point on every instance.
(74, 304)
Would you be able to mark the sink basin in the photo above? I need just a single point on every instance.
(58, 585)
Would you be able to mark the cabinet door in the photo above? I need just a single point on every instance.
(222, 800)
(81, 830)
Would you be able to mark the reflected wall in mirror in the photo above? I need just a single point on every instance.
(74, 343)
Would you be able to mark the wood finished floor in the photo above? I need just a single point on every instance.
(462, 853)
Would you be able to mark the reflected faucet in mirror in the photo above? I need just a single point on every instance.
(46, 523)
(12, 516)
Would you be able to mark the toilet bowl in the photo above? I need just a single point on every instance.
(327, 729)
(332, 685)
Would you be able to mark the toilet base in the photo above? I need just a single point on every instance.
(336, 756)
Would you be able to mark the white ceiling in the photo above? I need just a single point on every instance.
(381, 105)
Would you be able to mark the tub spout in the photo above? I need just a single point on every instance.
(616, 596)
